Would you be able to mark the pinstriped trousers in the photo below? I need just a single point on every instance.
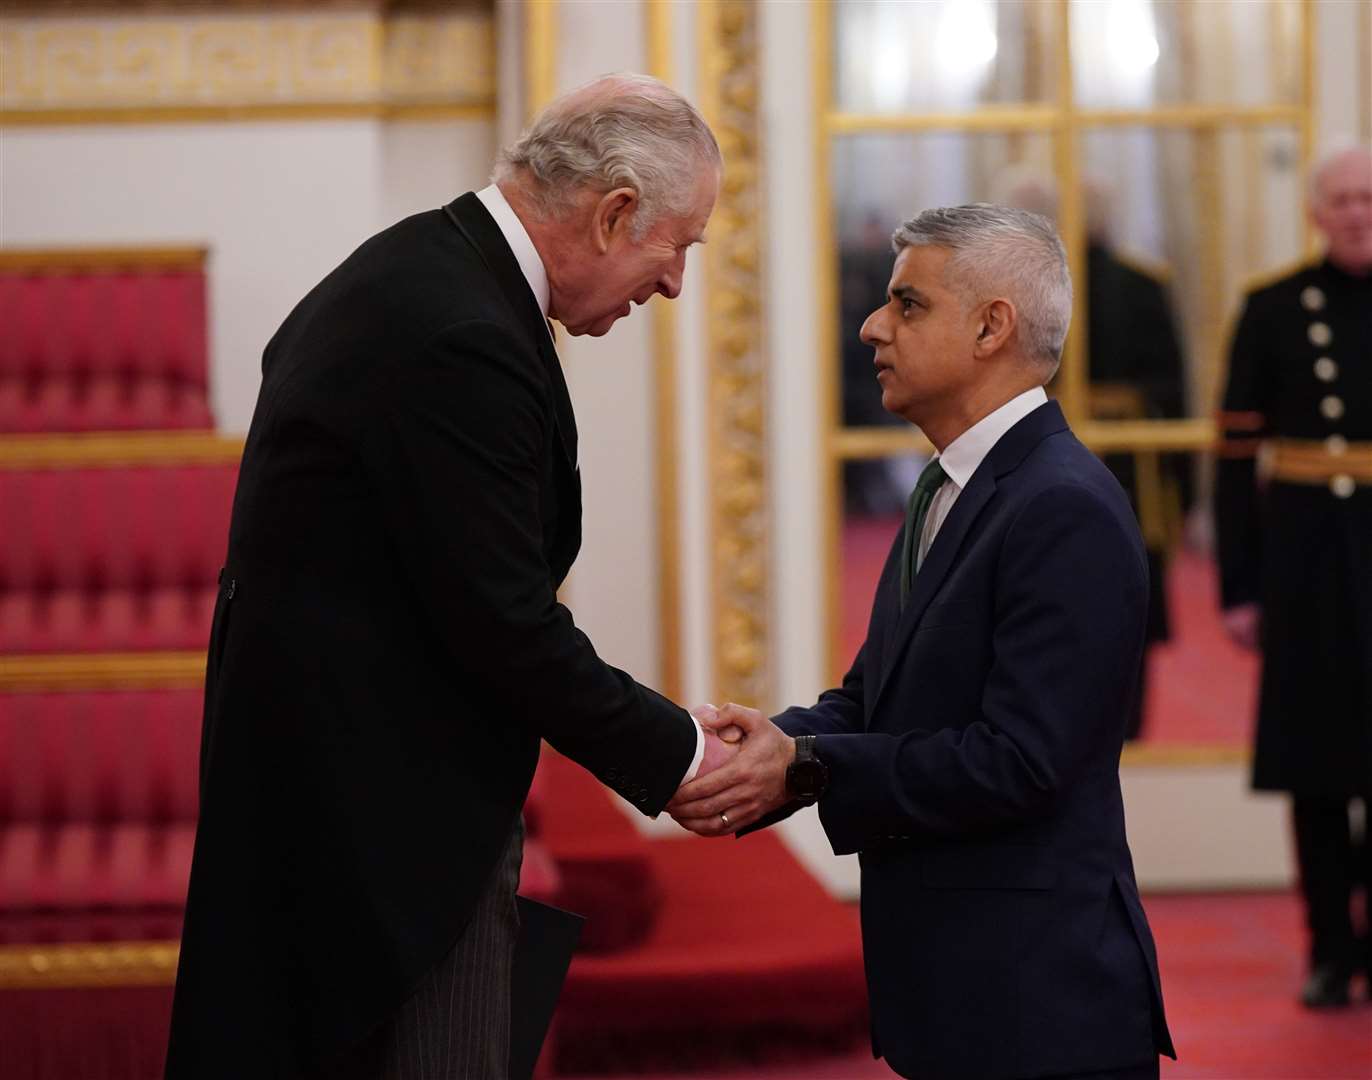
(456, 1026)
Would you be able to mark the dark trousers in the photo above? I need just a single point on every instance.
(1331, 866)
(456, 1026)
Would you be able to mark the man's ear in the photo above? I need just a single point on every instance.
(613, 214)
(998, 321)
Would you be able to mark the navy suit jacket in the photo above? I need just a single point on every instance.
(974, 753)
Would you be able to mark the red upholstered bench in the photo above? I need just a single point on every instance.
(102, 340)
(97, 813)
(111, 559)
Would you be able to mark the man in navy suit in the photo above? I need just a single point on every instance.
(971, 756)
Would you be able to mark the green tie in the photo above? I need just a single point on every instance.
(916, 510)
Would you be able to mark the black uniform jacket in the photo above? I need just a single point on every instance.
(973, 751)
(388, 649)
(1300, 376)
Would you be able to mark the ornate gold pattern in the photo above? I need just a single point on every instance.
(73, 966)
(203, 64)
(737, 373)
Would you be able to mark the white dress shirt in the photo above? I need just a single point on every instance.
(537, 276)
(962, 456)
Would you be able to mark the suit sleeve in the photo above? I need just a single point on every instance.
(838, 711)
(1071, 603)
(457, 452)
(1243, 424)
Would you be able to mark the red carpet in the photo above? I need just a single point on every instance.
(1231, 966)
(1202, 688)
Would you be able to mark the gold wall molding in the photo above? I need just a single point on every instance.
(658, 32)
(33, 673)
(63, 260)
(119, 449)
(93, 964)
(173, 66)
(736, 356)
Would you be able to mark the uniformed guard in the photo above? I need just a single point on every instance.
(1294, 519)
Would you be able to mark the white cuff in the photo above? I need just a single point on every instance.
(700, 753)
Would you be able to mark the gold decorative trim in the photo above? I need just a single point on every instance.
(56, 260)
(659, 45)
(540, 54)
(987, 118)
(737, 362)
(829, 416)
(164, 66)
(1072, 391)
(81, 965)
(102, 671)
(1112, 436)
(1185, 755)
(865, 444)
(118, 449)
(199, 114)
(1193, 116)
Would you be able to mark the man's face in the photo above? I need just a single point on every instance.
(601, 290)
(1343, 211)
(923, 337)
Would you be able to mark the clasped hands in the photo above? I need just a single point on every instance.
(742, 775)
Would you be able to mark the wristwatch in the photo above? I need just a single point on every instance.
(807, 778)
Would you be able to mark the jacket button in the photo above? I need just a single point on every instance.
(1343, 486)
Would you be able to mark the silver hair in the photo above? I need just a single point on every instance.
(1334, 155)
(999, 251)
(617, 131)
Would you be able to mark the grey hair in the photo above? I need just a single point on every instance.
(1344, 148)
(1002, 251)
(617, 131)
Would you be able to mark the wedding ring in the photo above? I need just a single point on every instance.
(724, 818)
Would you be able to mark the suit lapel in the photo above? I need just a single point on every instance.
(481, 231)
(1012, 448)
(937, 564)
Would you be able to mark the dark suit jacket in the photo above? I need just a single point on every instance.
(974, 758)
(388, 649)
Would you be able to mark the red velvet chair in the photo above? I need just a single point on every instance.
(103, 341)
(111, 559)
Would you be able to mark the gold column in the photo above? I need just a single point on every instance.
(737, 361)
(659, 31)
(1308, 110)
(829, 415)
(1072, 382)
(540, 54)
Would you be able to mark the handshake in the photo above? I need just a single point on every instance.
(742, 775)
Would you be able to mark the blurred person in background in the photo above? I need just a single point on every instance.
(1295, 552)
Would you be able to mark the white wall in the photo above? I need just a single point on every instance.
(613, 591)
(278, 204)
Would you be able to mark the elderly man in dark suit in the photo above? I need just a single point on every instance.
(388, 649)
(971, 755)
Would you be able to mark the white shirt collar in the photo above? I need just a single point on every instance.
(518, 238)
(961, 457)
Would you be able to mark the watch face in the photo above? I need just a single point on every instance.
(806, 779)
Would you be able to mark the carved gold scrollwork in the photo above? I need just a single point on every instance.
(737, 358)
(179, 66)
